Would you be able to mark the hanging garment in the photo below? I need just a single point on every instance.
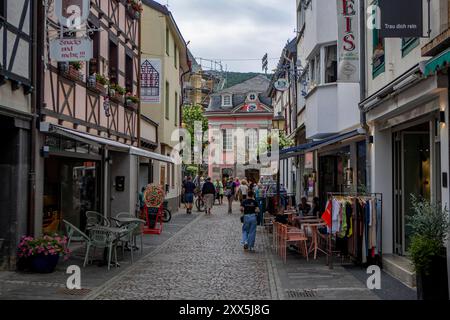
(349, 216)
(326, 216)
(343, 220)
(379, 226)
(336, 216)
(373, 228)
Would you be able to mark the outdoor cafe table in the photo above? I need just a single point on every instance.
(314, 227)
(117, 232)
(126, 220)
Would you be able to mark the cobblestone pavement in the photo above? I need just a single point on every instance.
(205, 261)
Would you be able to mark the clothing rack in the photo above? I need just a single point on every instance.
(352, 196)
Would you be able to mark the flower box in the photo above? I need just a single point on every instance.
(72, 73)
(44, 263)
(129, 104)
(96, 86)
(116, 97)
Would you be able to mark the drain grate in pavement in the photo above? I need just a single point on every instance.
(304, 293)
(74, 292)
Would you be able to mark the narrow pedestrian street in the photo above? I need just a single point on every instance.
(205, 261)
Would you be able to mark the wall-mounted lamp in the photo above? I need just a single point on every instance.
(371, 139)
(442, 118)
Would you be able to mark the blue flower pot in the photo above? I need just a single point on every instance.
(44, 264)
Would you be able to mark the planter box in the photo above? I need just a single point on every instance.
(435, 285)
(116, 97)
(131, 105)
(97, 87)
(72, 73)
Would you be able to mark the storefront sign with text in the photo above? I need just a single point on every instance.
(71, 49)
(348, 41)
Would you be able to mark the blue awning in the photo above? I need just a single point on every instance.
(334, 139)
(296, 151)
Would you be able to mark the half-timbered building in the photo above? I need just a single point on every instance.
(16, 109)
(89, 118)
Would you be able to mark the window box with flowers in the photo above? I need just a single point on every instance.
(134, 9)
(98, 83)
(116, 92)
(41, 255)
(131, 101)
(72, 70)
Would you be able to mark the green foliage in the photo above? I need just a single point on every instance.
(102, 79)
(191, 114)
(430, 226)
(284, 142)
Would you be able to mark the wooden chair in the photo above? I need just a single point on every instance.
(293, 236)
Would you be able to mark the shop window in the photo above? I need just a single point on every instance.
(408, 45)
(330, 64)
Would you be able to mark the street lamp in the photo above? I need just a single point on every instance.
(279, 123)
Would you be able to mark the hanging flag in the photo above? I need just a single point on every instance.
(348, 41)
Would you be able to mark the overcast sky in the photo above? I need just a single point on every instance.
(236, 29)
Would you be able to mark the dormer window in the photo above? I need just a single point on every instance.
(252, 97)
(227, 100)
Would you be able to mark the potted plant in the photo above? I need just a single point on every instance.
(116, 92)
(429, 224)
(41, 255)
(131, 101)
(97, 82)
(134, 9)
(74, 71)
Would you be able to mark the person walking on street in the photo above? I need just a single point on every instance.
(189, 190)
(250, 210)
(237, 184)
(243, 190)
(219, 190)
(229, 193)
(208, 193)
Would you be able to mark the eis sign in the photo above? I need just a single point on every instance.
(348, 40)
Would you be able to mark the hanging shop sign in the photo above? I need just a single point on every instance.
(72, 14)
(348, 41)
(281, 85)
(309, 160)
(401, 18)
(151, 80)
(71, 49)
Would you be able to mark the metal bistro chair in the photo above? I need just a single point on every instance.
(73, 233)
(128, 237)
(104, 239)
(138, 231)
(95, 219)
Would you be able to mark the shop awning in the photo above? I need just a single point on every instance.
(437, 63)
(334, 139)
(296, 151)
(150, 155)
(99, 141)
